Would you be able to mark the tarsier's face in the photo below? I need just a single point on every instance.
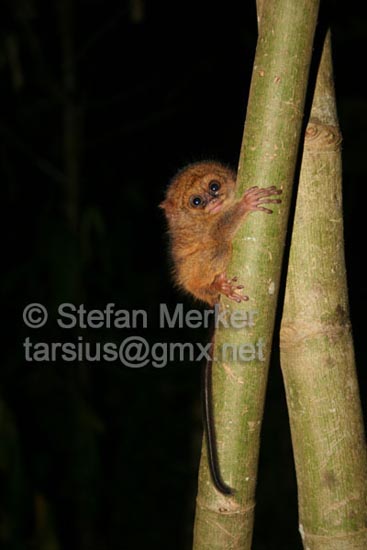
(200, 188)
(209, 195)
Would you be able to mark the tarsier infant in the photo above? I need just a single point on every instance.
(203, 216)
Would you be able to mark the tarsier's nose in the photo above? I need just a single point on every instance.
(209, 196)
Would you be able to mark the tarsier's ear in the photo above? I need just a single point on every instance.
(167, 206)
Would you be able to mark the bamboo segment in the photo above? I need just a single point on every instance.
(268, 157)
(317, 348)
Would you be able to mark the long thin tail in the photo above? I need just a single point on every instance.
(209, 428)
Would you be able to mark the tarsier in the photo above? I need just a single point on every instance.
(203, 216)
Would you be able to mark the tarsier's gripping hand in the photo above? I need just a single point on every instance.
(252, 201)
(227, 287)
(255, 197)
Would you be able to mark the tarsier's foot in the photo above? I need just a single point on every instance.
(256, 196)
(226, 286)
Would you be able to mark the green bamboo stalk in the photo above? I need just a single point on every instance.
(316, 344)
(268, 157)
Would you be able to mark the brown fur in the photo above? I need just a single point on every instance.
(200, 237)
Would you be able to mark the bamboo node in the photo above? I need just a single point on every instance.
(322, 137)
(350, 536)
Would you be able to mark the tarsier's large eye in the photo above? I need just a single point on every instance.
(214, 186)
(196, 201)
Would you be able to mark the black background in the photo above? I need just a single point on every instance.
(94, 454)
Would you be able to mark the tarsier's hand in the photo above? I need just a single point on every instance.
(228, 288)
(254, 197)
